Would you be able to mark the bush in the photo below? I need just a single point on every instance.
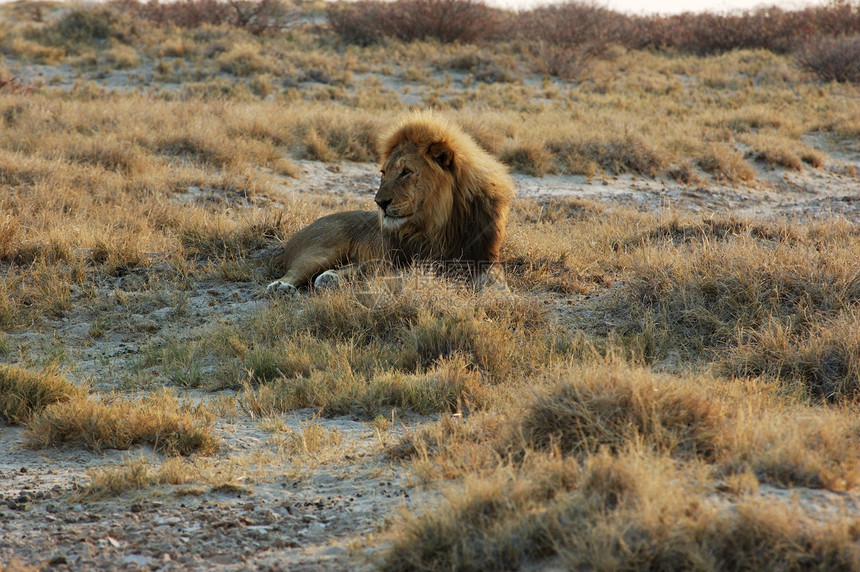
(832, 59)
(769, 28)
(447, 21)
(575, 23)
(83, 26)
(255, 16)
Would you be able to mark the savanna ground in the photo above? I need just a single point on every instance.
(672, 381)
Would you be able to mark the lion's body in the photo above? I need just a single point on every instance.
(441, 199)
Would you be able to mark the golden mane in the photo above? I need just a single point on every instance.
(480, 186)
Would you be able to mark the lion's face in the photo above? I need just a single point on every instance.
(415, 191)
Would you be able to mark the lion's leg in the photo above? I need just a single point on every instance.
(326, 244)
(335, 276)
(305, 266)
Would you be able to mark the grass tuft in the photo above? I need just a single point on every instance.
(24, 394)
(159, 420)
(588, 409)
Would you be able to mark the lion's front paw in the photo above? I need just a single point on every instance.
(327, 279)
(278, 288)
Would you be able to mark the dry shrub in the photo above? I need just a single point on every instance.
(24, 394)
(563, 61)
(256, 16)
(447, 21)
(832, 59)
(585, 25)
(566, 36)
(587, 409)
(82, 27)
(159, 420)
(770, 28)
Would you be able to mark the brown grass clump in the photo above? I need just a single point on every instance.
(788, 445)
(257, 17)
(325, 138)
(24, 394)
(588, 409)
(725, 163)
(159, 420)
(404, 322)
(616, 155)
(448, 386)
(530, 159)
(85, 27)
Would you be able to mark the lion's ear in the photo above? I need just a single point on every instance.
(441, 154)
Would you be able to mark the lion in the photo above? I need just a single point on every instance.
(442, 199)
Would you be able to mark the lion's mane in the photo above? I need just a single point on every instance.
(470, 231)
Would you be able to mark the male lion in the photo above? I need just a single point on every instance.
(441, 199)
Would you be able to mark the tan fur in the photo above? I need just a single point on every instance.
(442, 199)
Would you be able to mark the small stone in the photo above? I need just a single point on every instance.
(139, 560)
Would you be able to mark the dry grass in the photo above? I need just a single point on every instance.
(784, 296)
(737, 427)
(607, 408)
(159, 420)
(632, 512)
(629, 404)
(24, 394)
(134, 475)
(614, 467)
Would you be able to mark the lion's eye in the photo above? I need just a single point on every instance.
(382, 172)
(405, 172)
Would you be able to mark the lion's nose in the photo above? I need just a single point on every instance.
(383, 203)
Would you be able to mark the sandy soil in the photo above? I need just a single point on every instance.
(278, 513)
